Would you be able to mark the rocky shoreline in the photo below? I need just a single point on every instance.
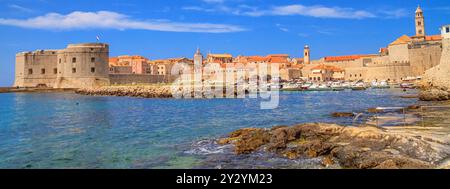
(149, 91)
(363, 147)
(434, 94)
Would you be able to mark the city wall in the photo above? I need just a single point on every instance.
(128, 79)
(439, 76)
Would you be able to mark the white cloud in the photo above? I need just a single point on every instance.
(289, 10)
(398, 13)
(282, 28)
(113, 20)
(20, 8)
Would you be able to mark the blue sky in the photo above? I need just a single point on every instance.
(162, 28)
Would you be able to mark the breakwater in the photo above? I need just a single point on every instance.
(151, 91)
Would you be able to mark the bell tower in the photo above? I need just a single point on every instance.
(420, 23)
(306, 55)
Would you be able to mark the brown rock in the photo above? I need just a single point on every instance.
(413, 107)
(388, 164)
(342, 114)
(327, 161)
(365, 147)
(251, 141)
(374, 110)
(434, 95)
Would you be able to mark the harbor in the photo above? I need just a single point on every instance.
(164, 133)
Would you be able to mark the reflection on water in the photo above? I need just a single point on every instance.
(66, 130)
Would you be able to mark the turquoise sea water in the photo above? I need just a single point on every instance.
(66, 130)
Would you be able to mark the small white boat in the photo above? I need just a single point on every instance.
(337, 86)
(320, 87)
(407, 85)
(358, 86)
(291, 87)
(305, 86)
(381, 85)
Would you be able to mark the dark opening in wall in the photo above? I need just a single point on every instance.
(74, 70)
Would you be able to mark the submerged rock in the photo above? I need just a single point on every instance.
(374, 110)
(343, 114)
(350, 147)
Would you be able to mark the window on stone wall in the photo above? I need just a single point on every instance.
(93, 59)
(60, 60)
(55, 71)
(447, 30)
(360, 75)
(42, 71)
(93, 70)
(419, 23)
(30, 71)
(74, 60)
(74, 70)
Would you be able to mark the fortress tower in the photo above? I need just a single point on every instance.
(83, 65)
(306, 55)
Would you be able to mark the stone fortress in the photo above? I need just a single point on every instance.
(78, 65)
(89, 65)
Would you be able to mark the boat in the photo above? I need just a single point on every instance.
(291, 87)
(346, 85)
(381, 85)
(336, 86)
(320, 87)
(305, 86)
(358, 86)
(407, 86)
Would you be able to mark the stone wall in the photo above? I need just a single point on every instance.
(424, 58)
(127, 79)
(35, 68)
(399, 53)
(439, 76)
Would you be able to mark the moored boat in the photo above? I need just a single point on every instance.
(358, 86)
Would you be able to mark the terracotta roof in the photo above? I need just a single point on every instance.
(256, 59)
(278, 55)
(221, 55)
(278, 59)
(433, 38)
(401, 40)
